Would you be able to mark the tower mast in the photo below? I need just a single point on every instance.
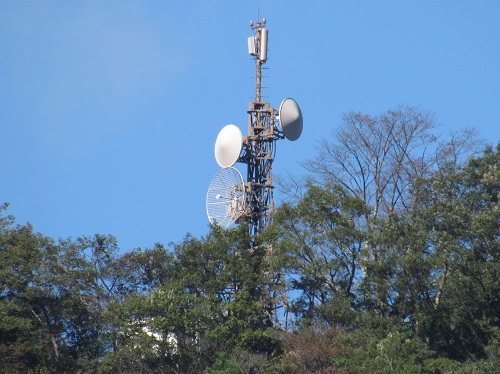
(251, 203)
(259, 145)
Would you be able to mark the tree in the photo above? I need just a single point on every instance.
(53, 300)
(313, 349)
(462, 212)
(384, 345)
(19, 257)
(321, 246)
(379, 158)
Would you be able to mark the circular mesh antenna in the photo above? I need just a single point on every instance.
(290, 118)
(226, 197)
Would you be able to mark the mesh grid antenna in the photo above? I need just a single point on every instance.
(226, 197)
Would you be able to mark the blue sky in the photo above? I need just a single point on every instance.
(109, 111)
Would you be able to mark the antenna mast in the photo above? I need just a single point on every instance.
(229, 198)
(259, 144)
(257, 47)
(265, 126)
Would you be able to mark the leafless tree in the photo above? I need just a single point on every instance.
(378, 158)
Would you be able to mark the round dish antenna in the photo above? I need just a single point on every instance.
(226, 197)
(290, 119)
(228, 145)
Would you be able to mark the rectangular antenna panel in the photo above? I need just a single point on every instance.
(263, 45)
(251, 46)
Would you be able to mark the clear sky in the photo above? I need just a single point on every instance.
(109, 110)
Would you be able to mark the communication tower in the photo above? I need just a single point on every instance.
(229, 198)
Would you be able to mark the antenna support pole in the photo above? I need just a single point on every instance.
(258, 79)
(259, 50)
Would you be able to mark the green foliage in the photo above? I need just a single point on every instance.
(53, 300)
(433, 268)
(223, 365)
(212, 301)
(240, 361)
(462, 214)
(321, 244)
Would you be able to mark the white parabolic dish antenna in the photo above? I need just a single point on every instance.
(228, 145)
(226, 197)
(290, 119)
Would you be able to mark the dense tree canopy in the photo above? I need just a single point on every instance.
(388, 261)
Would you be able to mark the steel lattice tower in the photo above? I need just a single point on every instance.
(260, 143)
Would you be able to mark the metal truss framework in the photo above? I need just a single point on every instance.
(258, 154)
(260, 144)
